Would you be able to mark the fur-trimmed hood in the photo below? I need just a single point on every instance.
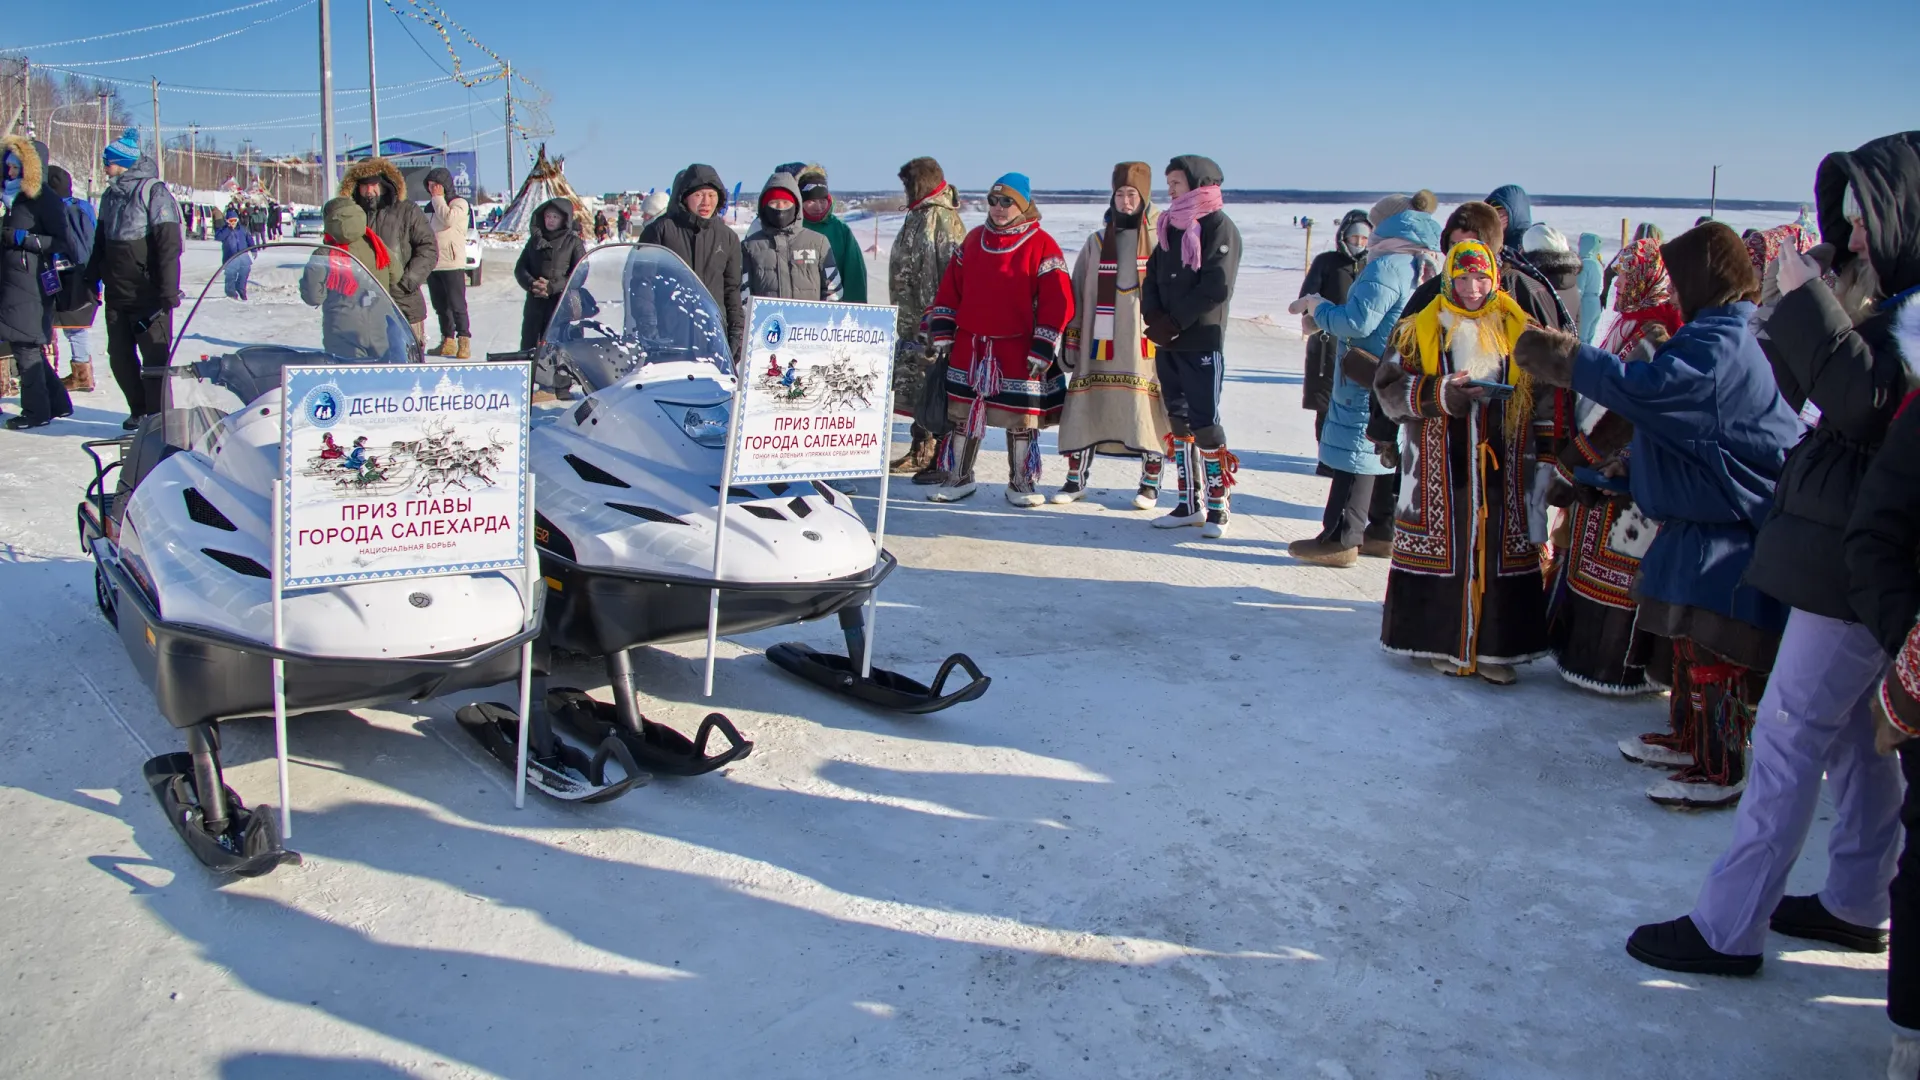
(920, 177)
(370, 168)
(1561, 267)
(1906, 334)
(32, 164)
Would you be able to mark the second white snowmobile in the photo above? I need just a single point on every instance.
(629, 457)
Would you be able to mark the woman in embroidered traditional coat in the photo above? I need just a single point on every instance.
(1113, 403)
(1003, 306)
(1465, 589)
(1590, 620)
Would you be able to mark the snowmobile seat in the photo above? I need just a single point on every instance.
(883, 689)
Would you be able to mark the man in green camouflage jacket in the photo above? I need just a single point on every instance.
(928, 238)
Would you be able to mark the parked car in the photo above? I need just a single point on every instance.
(308, 223)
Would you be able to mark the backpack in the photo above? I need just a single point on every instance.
(73, 295)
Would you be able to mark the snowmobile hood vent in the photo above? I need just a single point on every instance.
(799, 507)
(766, 512)
(647, 512)
(205, 513)
(239, 564)
(594, 474)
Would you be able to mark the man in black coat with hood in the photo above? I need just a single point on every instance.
(694, 230)
(1190, 278)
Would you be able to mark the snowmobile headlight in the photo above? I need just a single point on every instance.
(704, 424)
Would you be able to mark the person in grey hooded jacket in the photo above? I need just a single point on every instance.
(781, 258)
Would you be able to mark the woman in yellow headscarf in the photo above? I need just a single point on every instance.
(1465, 590)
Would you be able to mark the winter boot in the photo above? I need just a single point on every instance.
(1904, 1062)
(1079, 472)
(1673, 748)
(919, 454)
(1679, 946)
(465, 349)
(447, 347)
(1220, 466)
(1323, 553)
(1148, 495)
(81, 380)
(1023, 468)
(1190, 510)
(1806, 917)
(1720, 697)
(933, 472)
(956, 479)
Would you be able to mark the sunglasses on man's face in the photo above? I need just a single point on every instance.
(999, 200)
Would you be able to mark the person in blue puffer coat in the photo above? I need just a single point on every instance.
(1592, 283)
(236, 250)
(1405, 233)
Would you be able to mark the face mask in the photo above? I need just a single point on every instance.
(778, 215)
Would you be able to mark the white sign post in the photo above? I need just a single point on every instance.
(400, 471)
(813, 400)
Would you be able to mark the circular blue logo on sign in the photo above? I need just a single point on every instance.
(775, 332)
(323, 405)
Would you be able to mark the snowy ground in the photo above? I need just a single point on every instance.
(1200, 827)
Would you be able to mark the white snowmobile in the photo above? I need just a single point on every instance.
(179, 524)
(629, 456)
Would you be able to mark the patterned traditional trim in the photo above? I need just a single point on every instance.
(1047, 334)
(1596, 571)
(1052, 264)
(1142, 384)
(1423, 526)
(942, 322)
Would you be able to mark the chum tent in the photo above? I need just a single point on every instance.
(544, 181)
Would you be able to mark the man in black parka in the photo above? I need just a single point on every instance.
(695, 231)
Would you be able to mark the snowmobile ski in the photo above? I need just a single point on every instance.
(884, 689)
(248, 846)
(656, 746)
(559, 770)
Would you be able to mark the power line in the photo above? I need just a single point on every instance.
(225, 91)
(204, 41)
(143, 29)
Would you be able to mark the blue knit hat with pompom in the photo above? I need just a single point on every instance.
(124, 151)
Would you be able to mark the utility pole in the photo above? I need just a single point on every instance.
(326, 95)
(193, 162)
(26, 98)
(509, 66)
(94, 171)
(373, 84)
(1713, 196)
(159, 147)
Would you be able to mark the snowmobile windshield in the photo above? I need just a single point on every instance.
(289, 302)
(628, 305)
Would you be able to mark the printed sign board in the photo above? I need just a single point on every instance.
(814, 392)
(399, 470)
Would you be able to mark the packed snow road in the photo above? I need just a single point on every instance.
(1199, 827)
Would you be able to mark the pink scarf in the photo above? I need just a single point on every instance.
(1185, 214)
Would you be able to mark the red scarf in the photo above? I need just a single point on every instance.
(922, 200)
(340, 277)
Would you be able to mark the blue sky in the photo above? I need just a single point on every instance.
(1628, 98)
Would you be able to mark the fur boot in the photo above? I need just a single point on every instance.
(1023, 468)
(1191, 510)
(81, 379)
(1220, 466)
(955, 468)
(1148, 495)
(1079, 474)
